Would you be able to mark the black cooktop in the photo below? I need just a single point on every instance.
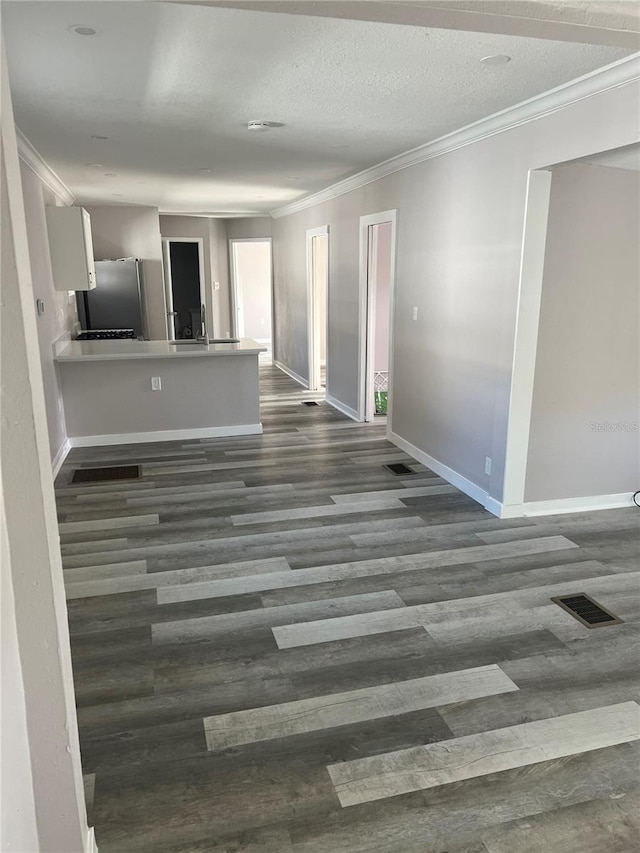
(106, 335)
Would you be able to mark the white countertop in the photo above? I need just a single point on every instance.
(119, 350)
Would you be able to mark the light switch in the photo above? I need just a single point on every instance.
(216, 285)
(414, 313)
(156, 383)
(40, 307)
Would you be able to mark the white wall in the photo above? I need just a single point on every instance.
(460, 223)
(41, 701)
(584, 437)
(321, 284)
(60, 312)
(18, 824)
(383, 296)
(253, 285)
(128, 231)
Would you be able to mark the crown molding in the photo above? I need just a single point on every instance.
(34, 160)
(619, 73)
(247, 214)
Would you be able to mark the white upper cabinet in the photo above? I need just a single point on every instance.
(71, 248)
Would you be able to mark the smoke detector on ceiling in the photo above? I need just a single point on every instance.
(258, 126)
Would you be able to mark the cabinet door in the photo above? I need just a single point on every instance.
(88, 248)
(71, 248)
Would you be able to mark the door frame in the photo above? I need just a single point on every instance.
(234, 283)
(168, 281)
(313, 363)
(366, 402)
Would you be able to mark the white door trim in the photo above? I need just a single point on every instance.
(526, 336)
(313, 368)
(367, 315)
(166, 257)
(234, 283)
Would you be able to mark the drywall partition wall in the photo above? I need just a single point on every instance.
(130, 231)
(220, 272)
(216, 265)
(382, 296)
(321, 281)
(18, 824)
(253, 287)
(248, 229)
(198, 228)
(59, 308)
(28, 514)
(459, 239)
(584, 438)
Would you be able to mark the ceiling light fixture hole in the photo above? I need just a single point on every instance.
(497, 59)
(83, 30)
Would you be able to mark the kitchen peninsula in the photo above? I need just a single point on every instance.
(125, 391)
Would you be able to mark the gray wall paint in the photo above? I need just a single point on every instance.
(216, 263)
(243, 229)
(460, 220)
(220, 272)
(587, 364)
(60, 309)
(113, 397)
(121, 231)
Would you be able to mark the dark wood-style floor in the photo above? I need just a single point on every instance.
(279, 646)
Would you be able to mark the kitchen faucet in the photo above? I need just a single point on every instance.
(202, 335)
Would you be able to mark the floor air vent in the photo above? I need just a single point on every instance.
(586, 610)
(399, 469)
(310, 403)
(101, 475)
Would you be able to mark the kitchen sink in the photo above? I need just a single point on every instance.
(195, 342)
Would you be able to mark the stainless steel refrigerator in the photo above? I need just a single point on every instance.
(117, 301)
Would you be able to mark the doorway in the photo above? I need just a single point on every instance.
(251, 285)
(184, 283)
(318, 305)
(377, 285)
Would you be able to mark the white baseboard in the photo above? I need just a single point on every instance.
(91, 845)
(553, 507)
(590, 503)
(164, 435)
(474, 491)
(341, 407)
(290, 373)
(61, 455)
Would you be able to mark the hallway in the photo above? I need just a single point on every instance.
(258, 623)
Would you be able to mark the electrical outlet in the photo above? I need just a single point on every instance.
(414, 313)
(156, 383)
(487, 465)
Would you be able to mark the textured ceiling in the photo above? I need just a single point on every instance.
(172, 87)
